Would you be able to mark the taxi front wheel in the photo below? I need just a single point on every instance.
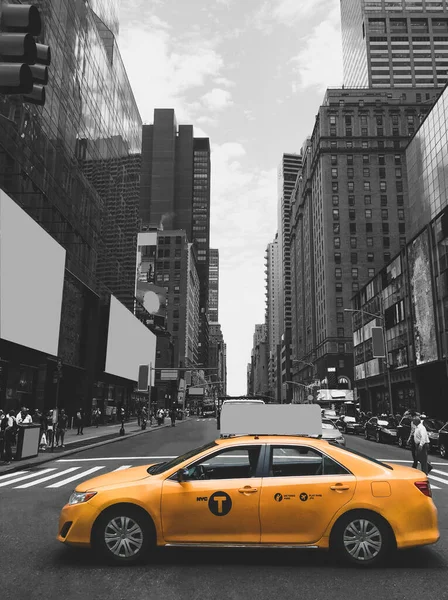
(123, 535)
(361, 538)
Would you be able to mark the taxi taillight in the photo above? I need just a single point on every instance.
(424, 487)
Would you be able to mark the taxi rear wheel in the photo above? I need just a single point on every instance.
(123, 535)
(362, 538)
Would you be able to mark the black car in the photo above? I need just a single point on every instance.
(443, 441)
(350, 425)
(381, 429)
(432, 427)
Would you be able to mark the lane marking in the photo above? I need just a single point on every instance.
(122, 468)
(438, 479)
(32, 475)
(112, 458)
(77, 476)
(440, 472)
(12, 474)
(54, 476)
(435, 487)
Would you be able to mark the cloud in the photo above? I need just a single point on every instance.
(319, 63)
(162, 69)
(287, 12)
(217, 99)
(206, 121)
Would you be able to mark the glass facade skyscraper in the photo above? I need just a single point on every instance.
(395, 43)
(73, 166)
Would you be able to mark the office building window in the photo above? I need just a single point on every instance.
(334, 159)
(341, 332)
(354, 258)
(352, 214)
(381, 159)
(351, 201)
(371, 273)
(334, 173)
(177, 253)
(368, 199)
(384, 214)
(334, 186)
(341, 363)
(333, 145)
(365, 159)
(339, 302)
(401, 214)
(386, 257)
(177, 264)
(400, 200)
(175, 327)
(367, 186)
(353, 242)
(383, 186)
(332, 120)
(335, 200)
(340, 317)
(337, 258)
(370, 241)
(338, 287)
(355, 286)
(355, 273)
(386, 242)
(352, 227)
(369, 227)
(380, 144)
(351, 186)
(368, 213)
(366, 172)
(370, 257)
(398, 173)
(385, 227)
(397, 159)
(338, 273)
(349, 159)
(350, 172)
(399, 186)
(401, 227)
(382, 173)
(341, 348)
(383, 200)
(364, 144)
(337, 242)
(402, 242)
(336, 214)
(336, 228)
(178, 239)
(349, 144)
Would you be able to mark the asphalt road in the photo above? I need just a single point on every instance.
(34, 565)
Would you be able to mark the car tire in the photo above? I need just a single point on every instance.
(378, 437)
(442, 450)
(131, 522)
(361, 538)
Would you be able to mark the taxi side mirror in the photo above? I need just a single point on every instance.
(182, 475)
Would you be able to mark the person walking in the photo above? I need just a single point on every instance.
(411, 441)
(80, 421)
(421, 439)
(43, 431)
(173, 417)
(9, 428)
(61, 428)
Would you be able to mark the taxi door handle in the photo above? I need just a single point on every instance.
(339, 487)
(248, 490)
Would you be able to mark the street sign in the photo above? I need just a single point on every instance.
(168, 375)
(310, 397)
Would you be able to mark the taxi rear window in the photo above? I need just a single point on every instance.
(362, 455)
(165, 466)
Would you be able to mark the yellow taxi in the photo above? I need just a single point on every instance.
(259, 490)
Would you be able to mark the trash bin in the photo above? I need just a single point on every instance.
(27, 441)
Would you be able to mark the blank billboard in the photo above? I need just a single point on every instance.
(129, 343)
(32, 267)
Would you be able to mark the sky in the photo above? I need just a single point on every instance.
(250, 75)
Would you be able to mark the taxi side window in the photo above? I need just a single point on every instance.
(301, 461)
(234, 463)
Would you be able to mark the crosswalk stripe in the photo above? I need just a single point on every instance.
(438, 479)
(435, 487)
(54, 476)
(122, 468)
(440, 472)
(12, 475)
(11, 481)
(73, 477)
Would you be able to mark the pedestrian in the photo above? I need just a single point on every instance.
(80, 421)
(139, 416)
(24, 417)
(159, 417)
(43, 431)
(173, 417)
(61, 428)
(411, 440)
(421, 439)
(9, 426)
(50, 431)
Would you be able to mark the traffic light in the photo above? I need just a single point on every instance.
(23, 61)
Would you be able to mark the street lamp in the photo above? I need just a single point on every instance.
(381, 317)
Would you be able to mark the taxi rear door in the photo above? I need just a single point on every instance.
(220, 500)
(302, 490)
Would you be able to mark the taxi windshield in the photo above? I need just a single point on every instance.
(165, 466)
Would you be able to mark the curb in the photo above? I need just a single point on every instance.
(48, 458)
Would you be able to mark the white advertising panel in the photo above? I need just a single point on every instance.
(32, 267)
(129, 343)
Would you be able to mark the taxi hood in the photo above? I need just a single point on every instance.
(114, 478)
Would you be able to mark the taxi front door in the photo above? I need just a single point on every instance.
(212, 510)
(297, 507)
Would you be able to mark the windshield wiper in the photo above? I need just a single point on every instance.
(152, 470)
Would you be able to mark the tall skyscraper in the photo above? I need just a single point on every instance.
(395, 43)
(273, 310)
(213, 292)
(288, 172)
(350, 215)
(175, 194)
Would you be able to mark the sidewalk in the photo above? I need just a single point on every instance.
(92, 438)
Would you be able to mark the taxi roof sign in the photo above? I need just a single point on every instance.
(271, 419)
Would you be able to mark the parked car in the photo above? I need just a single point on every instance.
(350, 425)
(432, 426)
(381, 430)
(331, 433)
(443, 441)
(330, 414)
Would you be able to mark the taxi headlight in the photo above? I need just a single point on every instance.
(80, 497)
